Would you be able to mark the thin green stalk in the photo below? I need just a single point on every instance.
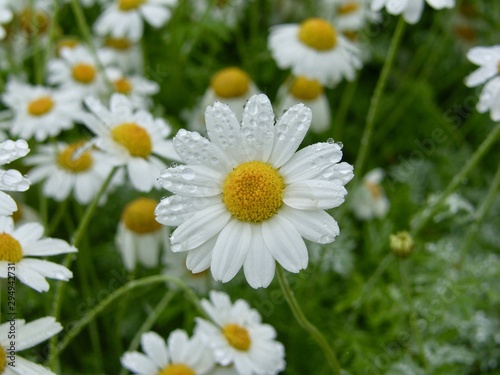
(57, 217)
(148, 323)
(130, 286)
(413, 314)
(347, 96)
(377, 95)
(430, 210)
(306, 324)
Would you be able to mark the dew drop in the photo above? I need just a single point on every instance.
(173, 164)
(188, 174)
(250, 138)
(330, 141)
(281, 136)
(340, 144)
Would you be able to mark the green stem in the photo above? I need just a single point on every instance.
(379, 89)
(130, 286)
(57, 217)
(413, 314)
(430, 210)
(148, 323)
(306, 324)
(348, 95)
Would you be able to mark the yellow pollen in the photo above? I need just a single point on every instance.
(139, 217)
(10, 248)
(237, 336)
(176, 369)
(318, 34)
(348, 7)
(40, 106)
(134, 138)
(126, 5)
(374, 189)
(253, 191)
(3, 360)
(122, 85)
(230, 83)
(84, 73)
(306, 89)
(121, 44)
(70, 160)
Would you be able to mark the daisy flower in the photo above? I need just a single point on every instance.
(237, 336)
(132, 138)
(125, 54)
(488, 59)
(316, 50)
(180, 355)
(139, 236)
(77, 69)
(123, 18)
(5, 16)
(309, 92)
(136, 88)
(175, 265)
(350, 15)
(17, 245)
(245, 198)
(69, 169)
(369, 200)
(410, 9)
(40, 112)
(11, 180)
(27, 336)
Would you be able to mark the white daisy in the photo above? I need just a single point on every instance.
(77, 69)
(69, 169)
(136, 88)
(126, 54)
(40, 112)
(227, 12)
(410, 9)
(175, 265)
(488, 58)
(181, 355)
(17, 245)
(309, 92)
(11, 180)
(350, 15)
(27, 335)
(123, 18)
(369, 200)
(245, 198)
(316, 50)
(132, 138)
(5, 16)
(237, 336)
(139, 236)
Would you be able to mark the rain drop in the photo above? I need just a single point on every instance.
(188, 174)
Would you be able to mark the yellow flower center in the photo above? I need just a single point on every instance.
(253, 191)
(374, 189)
(10, 248)
(66, 43)
(122, 85)
(84, 73)
(3, 360)
(348, 7)
(498, 67)
(306, 89)
(318, 34)
(134, 138)
(71, 161)
(139, 217)
(230, 83)
(34, 21)
(126, 5)
(237, 336)
(40, 106)
(177, 369)
(118, 43)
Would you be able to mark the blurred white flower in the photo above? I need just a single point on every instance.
(410, 9)
(369, 200)
(349, 15)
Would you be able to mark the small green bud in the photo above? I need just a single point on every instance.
(401, 244)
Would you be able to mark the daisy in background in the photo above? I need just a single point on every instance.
(226, 12)
(11, 179)
(349, 15)
(237, 336)
(488, 59)
(27, 336)
(5, 16)
(369, 200)
(77, 69)
(139, 236)
(316, 50)
(124, 18)
(410, 9)
(230, 85)
(245, 198)
(18, 245)
(175, 265)
(69, 169)
(309, 92)
(126, 54)
(180, 355)
(132, 138)
(136, 88)
(40, 112)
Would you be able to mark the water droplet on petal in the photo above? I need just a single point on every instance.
(188, 174)
(330, 141)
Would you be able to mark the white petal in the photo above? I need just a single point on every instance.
(26, 367)
(139, 172)
(199, 259)
(155, 15)
(47, 269)
(29, 232)
(313, 194)
(484, 55)
(176, 209)
(414, 10)
(36, 332)
(155, 347)
(177, 345)
(259, 264)
(7, 204)
(138, 363)
(33, 279)
(481, 75)
(48, 246)
(192, 180)
(148, 248)
(230, 250)
(285, 243)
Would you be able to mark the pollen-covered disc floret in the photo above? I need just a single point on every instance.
(134, 138)
(126, 5)
(306, 89)
(253, 191)
(230, 83)
(318, 34)
(237, 336)
(177, 369)
(246, 198)
(40, 106)
(138, 216)
(10, 249)
(73, 159)
(84, 73)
